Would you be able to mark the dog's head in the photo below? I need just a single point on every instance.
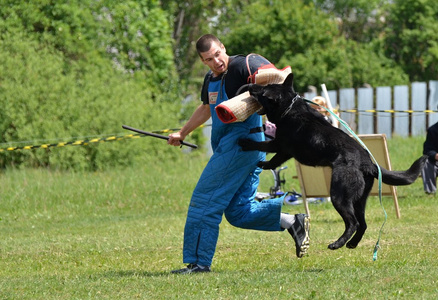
(275, 98)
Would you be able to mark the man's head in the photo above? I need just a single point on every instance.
(212, 53)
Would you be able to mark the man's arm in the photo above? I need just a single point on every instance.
(199, 117)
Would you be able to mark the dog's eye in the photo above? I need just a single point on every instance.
(270, 95)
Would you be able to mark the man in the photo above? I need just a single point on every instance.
(229, 182)
(430, 148)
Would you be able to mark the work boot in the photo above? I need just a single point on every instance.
(192, 268)
(300, 233)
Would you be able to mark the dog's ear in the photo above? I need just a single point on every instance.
(289, 81)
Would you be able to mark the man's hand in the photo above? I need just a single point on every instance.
(199, 116)
(175, 139)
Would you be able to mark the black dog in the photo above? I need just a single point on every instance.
(304, 134)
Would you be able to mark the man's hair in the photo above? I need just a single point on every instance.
(204, 43)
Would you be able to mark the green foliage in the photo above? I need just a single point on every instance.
(190, 20)
(58, 80)
(279, 29)
(360, 65)
(291, 33)
(358, 20)
(89, 100)
(411, 38)
(137, 36)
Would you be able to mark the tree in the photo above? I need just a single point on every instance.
(292, 33)
(78, 69)
(137, 36)
(359, 20)
(278, 29)
(190, 19)
(411, 37)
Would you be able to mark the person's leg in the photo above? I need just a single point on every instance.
(245, 212)
(224, 174)
(428, 174)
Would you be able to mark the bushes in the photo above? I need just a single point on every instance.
(81, 70)
(44, 102)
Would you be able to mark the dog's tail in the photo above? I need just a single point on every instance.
(404, 177)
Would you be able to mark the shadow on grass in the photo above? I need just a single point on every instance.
(314, 270)
(136, 273)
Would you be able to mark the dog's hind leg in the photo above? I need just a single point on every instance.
(359, 211)
(346, 187)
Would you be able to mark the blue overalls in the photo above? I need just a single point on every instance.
(228, 184)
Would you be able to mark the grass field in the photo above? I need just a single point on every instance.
(117, 235)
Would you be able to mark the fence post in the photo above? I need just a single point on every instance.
(347, 101)
(383, 102)
(433, 102)
(401, 102)
(365, 101)
(418, 102)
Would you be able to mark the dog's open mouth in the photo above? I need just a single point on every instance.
(261, 111)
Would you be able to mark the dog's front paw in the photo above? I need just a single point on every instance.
(246, 144)
(265, 165)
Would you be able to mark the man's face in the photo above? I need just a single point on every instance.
(216, 58)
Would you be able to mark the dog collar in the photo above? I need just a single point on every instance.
(290, 106)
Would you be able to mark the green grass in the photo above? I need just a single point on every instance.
(117, 234)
